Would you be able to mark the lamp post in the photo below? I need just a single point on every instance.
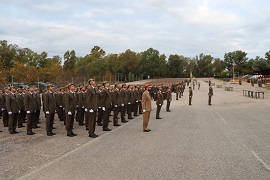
(234, 65)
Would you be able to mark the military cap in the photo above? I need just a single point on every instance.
(49, 85)
(70, 84)
(91, 79)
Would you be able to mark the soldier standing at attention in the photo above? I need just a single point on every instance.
(146, 106)
(159, 102)
(4, 109)
(123, 108)
(116, 102)
(210, 94)
(190, 95)
(169, 99)
(49, 108)
(70, 107)
(12, 105)
(100, 99)
(177, 91)
(107, 106)
(199, 85)
(91, 106)
(21, 108)
(29, 102)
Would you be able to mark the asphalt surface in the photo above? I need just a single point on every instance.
(228, 140)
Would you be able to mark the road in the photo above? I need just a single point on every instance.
(228, 140)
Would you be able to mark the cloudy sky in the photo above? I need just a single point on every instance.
(184, 27)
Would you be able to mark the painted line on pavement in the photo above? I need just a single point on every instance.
(266, 166)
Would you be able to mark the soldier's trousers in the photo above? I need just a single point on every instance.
(115, 114)
(146, 117)
(158, 111)
(168, 105)
(69, 122)
(60, 113)
(36, 119)
(155, 96)
(140, 107)
(30, 119)
(180, 94)
(177, 94)
(190, 98)
(49, 122)
(92, 121)
(100, 115)
(164, 95)
(209, 100)
(123, 112)
(5, 118)
(21, 118)
(135, 110)
(12, 121)
(80, 114)
(106, 116)
(129, 106)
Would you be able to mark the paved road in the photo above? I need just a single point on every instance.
(229, 140)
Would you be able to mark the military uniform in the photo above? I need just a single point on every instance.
(91, 106)
(210, 94)
(49, 108)
(12, 106)
(190, 95)
(70, 107)
(107, 106)
(116, 102)
(169, 99)
(159, 104)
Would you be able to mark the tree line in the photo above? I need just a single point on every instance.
(25, 65)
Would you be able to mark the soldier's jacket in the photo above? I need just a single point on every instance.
(49, 102)
(80, 99)
(12, 104)
(90, 100)
(58, 99)
(37, 101)
(169, 95)
(107, 98)
(159, 98)
(30, 102)
(141, 91)
(116, 98)
(210, 91)
(164, 89)
(70, 102)
(130, 96)
(136, 95)
(123, 94)
(146, 101)
(190, 92)
(4, 95)
(178, 89)
(1, 102)
(100, 99)
(21, 101)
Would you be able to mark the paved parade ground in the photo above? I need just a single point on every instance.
(228, 140)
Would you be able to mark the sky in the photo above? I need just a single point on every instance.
(183, 27)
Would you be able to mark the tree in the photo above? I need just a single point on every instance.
(149, 62)
(129, 62)
(218, 67)
(70, 61)
(237, 57)
(260, 64)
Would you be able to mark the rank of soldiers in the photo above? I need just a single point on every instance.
(89, 106)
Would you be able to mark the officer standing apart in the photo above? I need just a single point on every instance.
(190, 95)
(159, 102)
(146, 106)
(210, 94)
(169, 99)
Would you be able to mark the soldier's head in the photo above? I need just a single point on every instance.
(6, 90)
(117, 85)
(12, 89)
(124, 86)
(147, 87)
(19, 90)
(92, 82)
(30, 88)
(71, 87)
(50, 87)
